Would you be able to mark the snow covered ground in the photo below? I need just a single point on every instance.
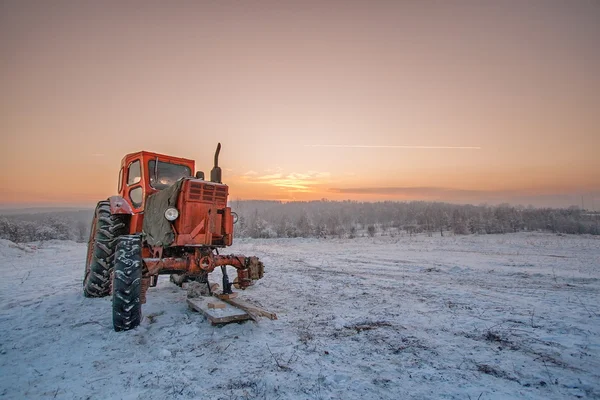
(466, 317)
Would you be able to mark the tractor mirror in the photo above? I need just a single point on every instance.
(200, 175)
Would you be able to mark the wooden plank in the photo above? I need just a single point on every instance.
(217, 315)
(226, 296)
(216, 305)
(251, 309)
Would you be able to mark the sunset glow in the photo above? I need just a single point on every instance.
(447, 101)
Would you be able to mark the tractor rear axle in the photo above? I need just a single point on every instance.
(200, 262)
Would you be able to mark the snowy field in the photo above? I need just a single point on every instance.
(465, 317)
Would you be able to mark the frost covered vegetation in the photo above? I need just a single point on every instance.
(42, 226)
(346, 219)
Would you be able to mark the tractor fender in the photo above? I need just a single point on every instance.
(119, 205)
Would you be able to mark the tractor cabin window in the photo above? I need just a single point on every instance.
(134, 174)
(136, 196)
(120, 180)
(164, 174)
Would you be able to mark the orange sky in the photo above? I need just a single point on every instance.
(83, 83)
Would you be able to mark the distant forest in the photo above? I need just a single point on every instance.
(347, 219)
(334, 219)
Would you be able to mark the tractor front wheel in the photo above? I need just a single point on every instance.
(127, 283)
(105, 229)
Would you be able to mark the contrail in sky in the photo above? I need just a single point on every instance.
(361, 146)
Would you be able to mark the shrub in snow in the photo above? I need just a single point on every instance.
(371, 230)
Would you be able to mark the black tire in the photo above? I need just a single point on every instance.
(99, 261)
(127, 283)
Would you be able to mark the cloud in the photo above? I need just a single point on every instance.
(268, 177)
(546, 198)
(316, 174)
(427, 191)
(296, 182)
(250, 173)
(360, 146)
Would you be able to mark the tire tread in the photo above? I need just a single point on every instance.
(127, 283)
(96, 282)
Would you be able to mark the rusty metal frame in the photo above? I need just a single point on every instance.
(203, 261)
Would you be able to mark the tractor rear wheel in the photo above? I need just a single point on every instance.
(105, 229)
(127, 283)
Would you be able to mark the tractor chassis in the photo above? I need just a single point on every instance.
(197, 263)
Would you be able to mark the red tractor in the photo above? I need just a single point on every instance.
(163, 221)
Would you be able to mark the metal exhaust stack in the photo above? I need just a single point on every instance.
(215, 173)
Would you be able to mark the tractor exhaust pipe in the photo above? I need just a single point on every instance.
(215, 173)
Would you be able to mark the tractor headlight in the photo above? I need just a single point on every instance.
(171, 214)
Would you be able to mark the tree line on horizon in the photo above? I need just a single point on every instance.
(337, 219)
(270, 219)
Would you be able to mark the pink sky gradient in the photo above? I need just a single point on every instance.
(394, 85)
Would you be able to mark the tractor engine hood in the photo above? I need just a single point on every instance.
(157, 230)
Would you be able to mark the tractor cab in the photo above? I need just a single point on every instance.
(170, 206)
(144, 173)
